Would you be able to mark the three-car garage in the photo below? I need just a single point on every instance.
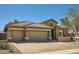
(34, 35)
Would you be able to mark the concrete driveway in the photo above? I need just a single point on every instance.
(35, 47)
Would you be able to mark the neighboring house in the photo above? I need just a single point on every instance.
(27, 31)
(2, 35)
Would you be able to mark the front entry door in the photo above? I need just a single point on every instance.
(53, 34)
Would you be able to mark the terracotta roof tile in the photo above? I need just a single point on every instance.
(20, 24)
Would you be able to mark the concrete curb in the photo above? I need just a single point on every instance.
(68, 51)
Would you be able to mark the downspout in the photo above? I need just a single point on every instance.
(9, 37)
(50, 33)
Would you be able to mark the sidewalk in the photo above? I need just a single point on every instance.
(69, 51)
(4, 52)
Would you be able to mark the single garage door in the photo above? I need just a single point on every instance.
(38, 35)
(18, 35)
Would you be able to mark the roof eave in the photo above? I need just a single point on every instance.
(40, 27)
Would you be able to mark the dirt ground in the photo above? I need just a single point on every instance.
(44, 47)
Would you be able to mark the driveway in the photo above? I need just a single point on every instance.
(35, 47)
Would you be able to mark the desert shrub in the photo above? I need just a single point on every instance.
(3, 44)
(11, 50)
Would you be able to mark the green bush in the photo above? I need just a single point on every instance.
(3, 44)
(11, 50)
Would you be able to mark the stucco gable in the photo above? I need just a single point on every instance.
(49, 22)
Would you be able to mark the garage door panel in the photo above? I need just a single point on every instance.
(38, 35)
(17, 35)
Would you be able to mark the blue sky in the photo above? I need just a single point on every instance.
(32, 12)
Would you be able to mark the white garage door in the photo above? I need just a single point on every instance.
(38, 35)
(18, 35)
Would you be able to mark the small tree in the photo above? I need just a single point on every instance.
(71, 20)
(74, 14)
(76, 23)
(14, 21)
(65, 22)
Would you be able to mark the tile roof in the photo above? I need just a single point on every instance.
(26, 23)
(17, 24)
(20, 23)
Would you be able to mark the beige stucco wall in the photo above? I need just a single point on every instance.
(9, 34)
(17, 28)
(39, 29)
(64, 39)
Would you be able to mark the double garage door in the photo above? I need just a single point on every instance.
(34, 35)
(38, 35)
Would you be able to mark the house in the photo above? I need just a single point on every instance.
(25, 30)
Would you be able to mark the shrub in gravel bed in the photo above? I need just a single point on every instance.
(4, 44)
